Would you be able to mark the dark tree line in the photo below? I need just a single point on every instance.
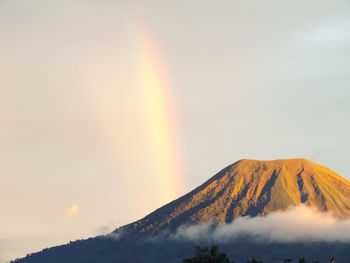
(213, 255)
(208, 255)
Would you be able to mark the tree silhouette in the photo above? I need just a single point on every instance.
(206, 255)
(253, 260)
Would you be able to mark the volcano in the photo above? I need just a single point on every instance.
(252, 188)
(245, 188)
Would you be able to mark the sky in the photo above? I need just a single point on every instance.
(110, 109)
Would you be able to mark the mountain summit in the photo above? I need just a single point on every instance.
(252, 188)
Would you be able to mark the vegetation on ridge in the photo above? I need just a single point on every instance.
(213, 255)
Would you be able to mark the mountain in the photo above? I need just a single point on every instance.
(247, 187)
(254, 188)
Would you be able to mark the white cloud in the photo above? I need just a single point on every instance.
(300, 223)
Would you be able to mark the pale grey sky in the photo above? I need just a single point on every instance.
(248, 79)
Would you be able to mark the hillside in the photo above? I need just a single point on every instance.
(247, 187)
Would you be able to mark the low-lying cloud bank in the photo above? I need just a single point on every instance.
(300, 223)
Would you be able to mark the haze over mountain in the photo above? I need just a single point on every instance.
(246, 188)
(252, 188)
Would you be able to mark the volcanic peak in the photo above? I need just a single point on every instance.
(252, 188)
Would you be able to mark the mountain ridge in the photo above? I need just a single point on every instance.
(251, 188)
(247, 187)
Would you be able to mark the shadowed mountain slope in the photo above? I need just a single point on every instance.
(254, 188)
(246, 187)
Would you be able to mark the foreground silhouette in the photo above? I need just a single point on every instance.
(213, 255)
(206, 255)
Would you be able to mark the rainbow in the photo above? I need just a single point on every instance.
(163, 128)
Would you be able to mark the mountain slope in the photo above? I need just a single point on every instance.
(104, 250)
(247, 187)
(254, 188)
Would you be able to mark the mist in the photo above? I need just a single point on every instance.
(300, 223)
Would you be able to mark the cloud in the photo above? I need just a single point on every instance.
(73, 211)
(300, 223)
